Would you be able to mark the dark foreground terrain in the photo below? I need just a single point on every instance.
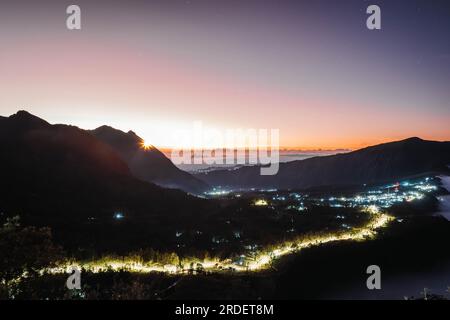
(416, 246)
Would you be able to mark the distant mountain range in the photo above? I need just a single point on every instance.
(50, 168)
(380, 163)
(63, 171)
(148, 164)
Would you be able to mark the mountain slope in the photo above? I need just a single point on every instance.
(374, 164)
(148, 164)
(64, 172)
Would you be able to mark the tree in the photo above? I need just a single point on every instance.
(24, 251)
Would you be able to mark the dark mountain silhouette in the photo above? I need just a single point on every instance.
(380, 163)
(148, 164)
(64, 172)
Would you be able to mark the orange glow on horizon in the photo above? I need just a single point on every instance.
(346, 145)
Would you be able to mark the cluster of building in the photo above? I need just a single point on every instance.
(383, 196)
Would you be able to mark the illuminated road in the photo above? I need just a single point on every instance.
(262, 261)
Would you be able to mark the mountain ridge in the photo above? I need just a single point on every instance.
(64, 172)
(373, 164)
(148, 163)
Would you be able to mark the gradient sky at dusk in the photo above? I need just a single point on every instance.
(309, 68)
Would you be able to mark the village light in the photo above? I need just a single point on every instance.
(264, 256)
(261, 202)
(119, 215)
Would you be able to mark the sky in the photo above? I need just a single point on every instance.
(308, 68)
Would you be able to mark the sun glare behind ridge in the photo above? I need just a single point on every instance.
(145, 145)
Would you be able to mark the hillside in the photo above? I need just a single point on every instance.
(65, 173)
(384, 162)
(148, 164)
